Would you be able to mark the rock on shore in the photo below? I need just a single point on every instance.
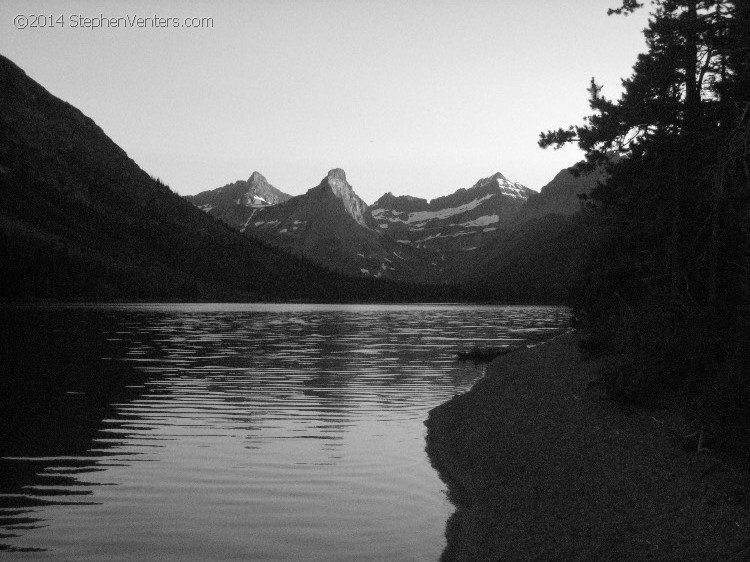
(539, 467)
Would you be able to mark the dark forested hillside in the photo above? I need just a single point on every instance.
(80, 220)
(562, 195)
(537, 261)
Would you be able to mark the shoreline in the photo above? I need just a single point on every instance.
(539, 466)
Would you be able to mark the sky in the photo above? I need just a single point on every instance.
(409, 96)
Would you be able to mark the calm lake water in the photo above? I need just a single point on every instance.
(233, 432)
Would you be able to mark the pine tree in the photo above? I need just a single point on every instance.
(671, 272)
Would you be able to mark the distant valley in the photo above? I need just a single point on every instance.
(445, 240)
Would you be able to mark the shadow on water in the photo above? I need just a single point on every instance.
(56, 390)
(73, 379)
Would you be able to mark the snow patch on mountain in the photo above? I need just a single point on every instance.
(445, 235)
(418, 219)
(511, 189)
(481, 221)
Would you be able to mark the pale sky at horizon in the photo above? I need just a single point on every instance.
(412, 97)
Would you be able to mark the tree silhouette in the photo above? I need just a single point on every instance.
(670, 274)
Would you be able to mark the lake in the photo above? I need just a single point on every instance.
(234, 431)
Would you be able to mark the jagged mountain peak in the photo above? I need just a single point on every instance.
(497, 182)
(335, 179)
(497, 178)
(235, 202)
(336, 174)
(335, 182)
(257, 177)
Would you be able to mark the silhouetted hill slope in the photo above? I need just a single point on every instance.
(560, 196)
(535, 262)
(80, 220)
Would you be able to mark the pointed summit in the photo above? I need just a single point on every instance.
(257, 177)
(234, 203)
(337, 174)
(335, 181)
(498, 182)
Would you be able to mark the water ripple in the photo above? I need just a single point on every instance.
(237, 431)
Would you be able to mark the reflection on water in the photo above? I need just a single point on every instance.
(233, 431)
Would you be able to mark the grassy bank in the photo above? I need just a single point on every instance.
(540, 466)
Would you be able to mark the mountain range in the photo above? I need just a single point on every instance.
(79, 219)
(332, 226)
(402, 237)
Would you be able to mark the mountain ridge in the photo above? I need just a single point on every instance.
(331, 225)
(459, 221)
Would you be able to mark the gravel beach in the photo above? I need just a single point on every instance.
(541, 467)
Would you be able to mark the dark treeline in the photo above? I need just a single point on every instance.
(535, 263)
(665, 286)
(61, 270)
